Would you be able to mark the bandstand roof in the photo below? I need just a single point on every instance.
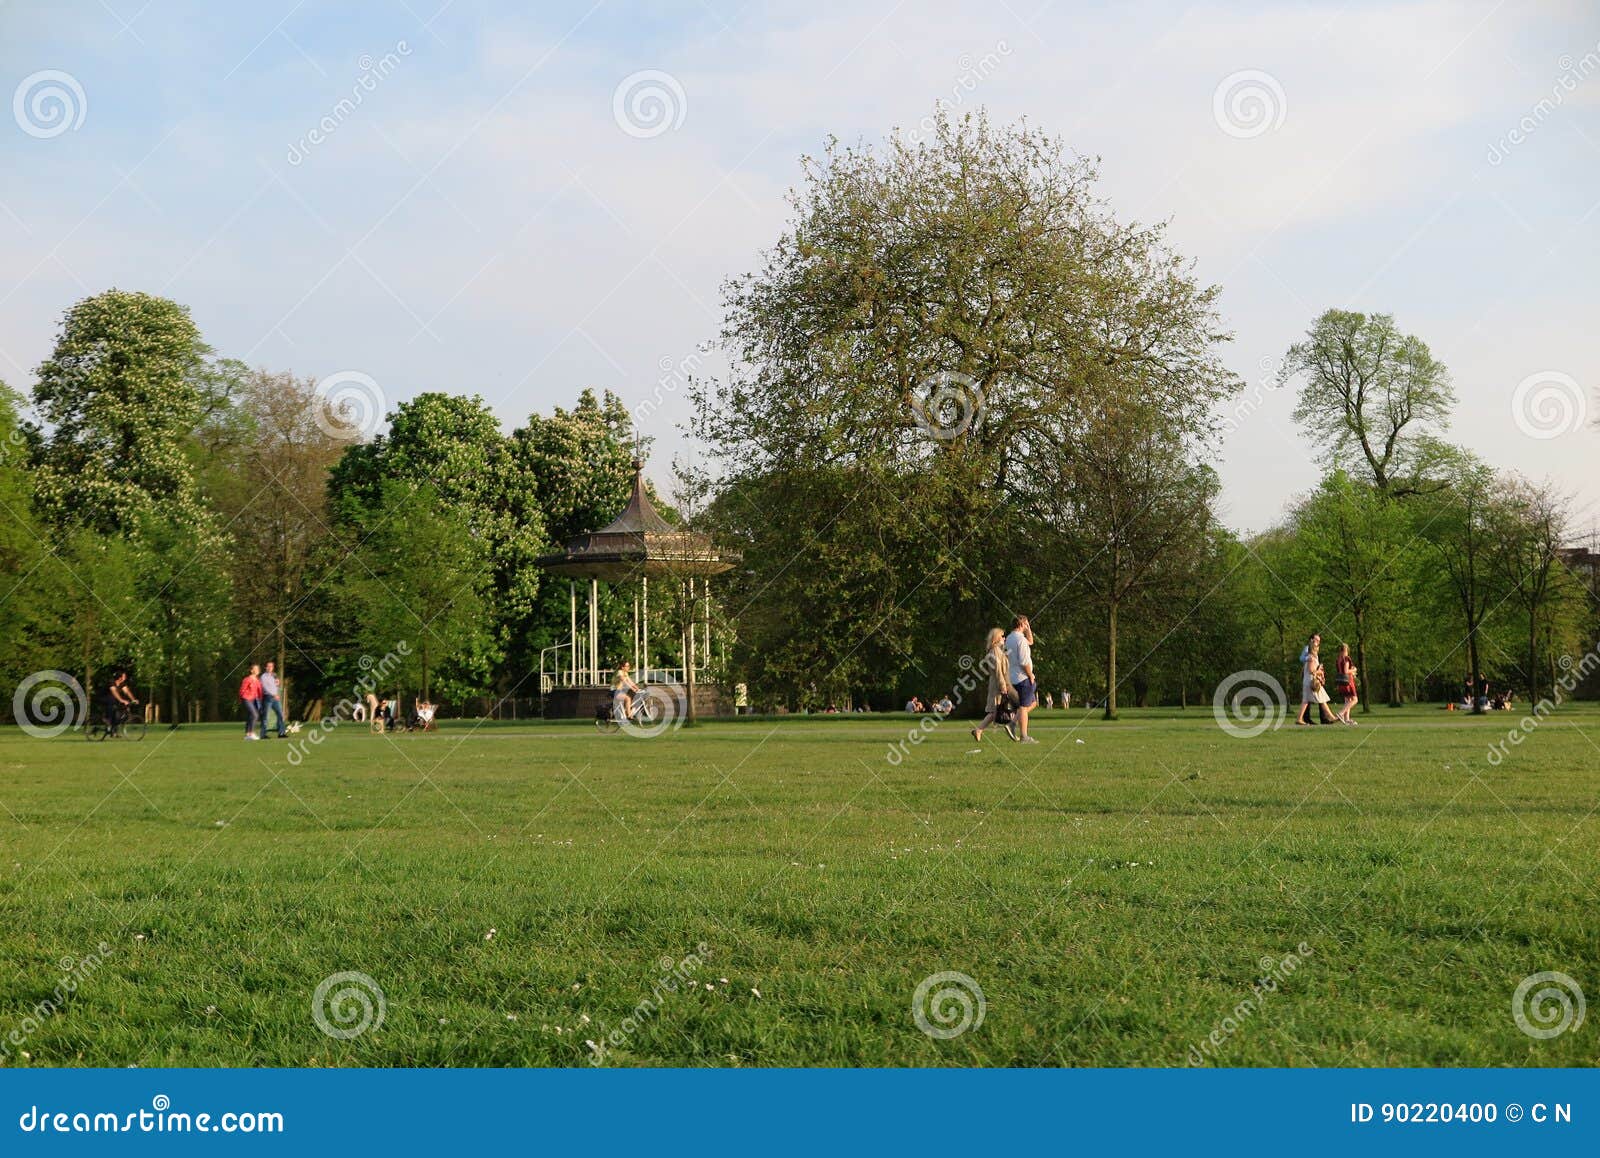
(638, 542)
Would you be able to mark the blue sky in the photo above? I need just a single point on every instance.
(482, 222)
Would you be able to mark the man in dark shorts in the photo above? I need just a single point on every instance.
(1019, 654)
(117, 699)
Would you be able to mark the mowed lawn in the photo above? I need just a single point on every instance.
(519, 891)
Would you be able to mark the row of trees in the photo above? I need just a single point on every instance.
(184, 515)
(964, 389)
(967, 390)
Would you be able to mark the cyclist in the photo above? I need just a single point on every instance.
(623, 689)
(117, 700)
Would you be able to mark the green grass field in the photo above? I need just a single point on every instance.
(518, 891)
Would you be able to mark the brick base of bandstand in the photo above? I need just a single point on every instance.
(583, 703)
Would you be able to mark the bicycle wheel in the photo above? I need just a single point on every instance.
(605, 725)
(94, 731)
(134, 730)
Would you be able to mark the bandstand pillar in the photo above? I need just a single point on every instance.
(594, 631)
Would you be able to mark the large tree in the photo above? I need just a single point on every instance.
(1457, 524)
(1528, 531)
(454, 446)
(125, 400)
(1373, 396)
(910, 347)
(21, 550)
(121, 397)
(275, 499)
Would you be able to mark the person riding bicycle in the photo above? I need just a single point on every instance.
(118, 700)
(623, 689)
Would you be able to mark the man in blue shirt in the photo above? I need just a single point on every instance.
(270, 701)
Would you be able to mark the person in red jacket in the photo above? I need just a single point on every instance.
(250, 693)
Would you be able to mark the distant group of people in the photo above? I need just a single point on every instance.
(1314, 684)
(261, 693)
(1481, 696)
(384, 715)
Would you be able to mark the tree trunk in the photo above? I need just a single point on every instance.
(1283, 653)
(1361, 662)
(1533, 655)
(88, 670)
(1472, 662)
(283, 673)
(172, 677)
(1111, 661)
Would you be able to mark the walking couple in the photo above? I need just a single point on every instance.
(1313, 684)
(259, 693)
(1012, 690)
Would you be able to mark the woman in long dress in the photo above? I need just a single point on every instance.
(999, 680)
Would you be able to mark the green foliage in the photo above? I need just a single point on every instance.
(576, 472)
(933, 325)
(91, 614)
(1356, 565)
(1372, 396)
(122, 395)
(454, 447)
(420, 576)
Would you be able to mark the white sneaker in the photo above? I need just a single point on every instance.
(1029, 740)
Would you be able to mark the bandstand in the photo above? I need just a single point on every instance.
(638, 546)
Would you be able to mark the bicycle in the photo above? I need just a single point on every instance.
(120, 725)
(644, 712)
